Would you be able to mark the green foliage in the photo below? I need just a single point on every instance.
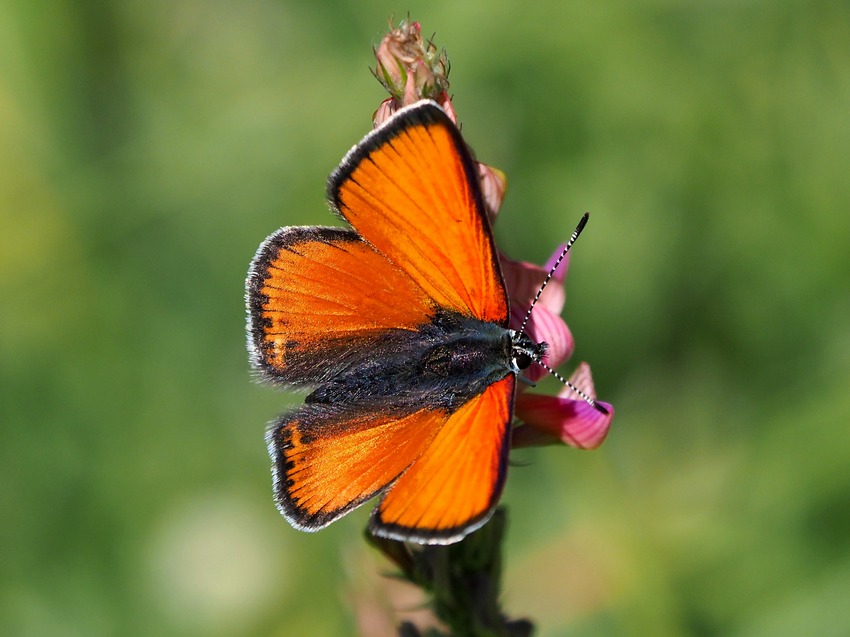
(147, 148)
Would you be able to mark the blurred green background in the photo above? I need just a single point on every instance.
(146, 148)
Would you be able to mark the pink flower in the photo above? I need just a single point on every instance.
(494, 183)
(523, 280)
(567, 417)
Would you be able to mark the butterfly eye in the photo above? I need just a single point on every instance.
(522, 360)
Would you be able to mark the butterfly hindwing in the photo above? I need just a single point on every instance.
(441, 472)
(328, 460)
(454, 486)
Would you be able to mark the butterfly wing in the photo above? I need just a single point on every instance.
(444, 471)
(328, 460)
(454, 486)
(318, 301)
(411, 190)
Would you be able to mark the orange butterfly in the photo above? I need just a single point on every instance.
(398, 325)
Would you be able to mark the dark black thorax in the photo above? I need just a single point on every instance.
(442, 365)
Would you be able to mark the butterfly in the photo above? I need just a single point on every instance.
(397, 325)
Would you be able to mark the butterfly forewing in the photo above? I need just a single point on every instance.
(320, 297)
(411, 190)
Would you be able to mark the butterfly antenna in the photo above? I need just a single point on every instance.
(590, 401)
(551, 273)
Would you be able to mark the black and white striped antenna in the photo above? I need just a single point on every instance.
(590, 401)
(551, 273)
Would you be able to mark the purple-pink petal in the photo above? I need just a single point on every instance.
(493, 186)
(573, 421)
(523, 281)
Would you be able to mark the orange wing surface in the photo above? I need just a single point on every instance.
(411, 189)
(444, 472)
(318, 296)
(454, 486)
(327, 462)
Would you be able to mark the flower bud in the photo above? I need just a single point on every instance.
(411, 69)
